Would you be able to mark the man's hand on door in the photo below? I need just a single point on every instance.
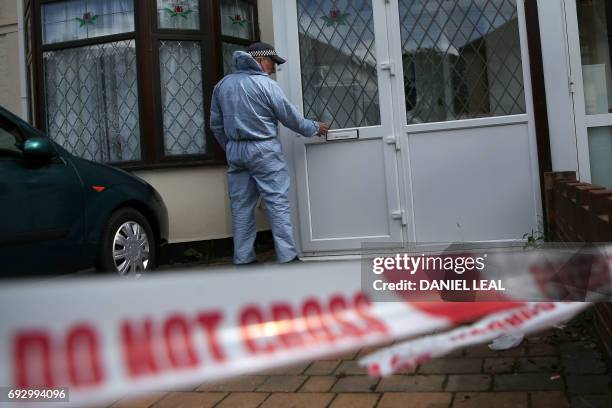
(323, 129)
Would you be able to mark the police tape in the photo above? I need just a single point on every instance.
(108, 338)
(530, 318)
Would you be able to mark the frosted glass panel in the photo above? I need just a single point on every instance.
(81, 19)
(595, 25)
(600, 153)
(237, 19)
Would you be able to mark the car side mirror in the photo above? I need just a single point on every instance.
(39, 148)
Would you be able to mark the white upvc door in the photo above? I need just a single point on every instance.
(438, 141)
(464, 120)
(590, 48)
(338, 71)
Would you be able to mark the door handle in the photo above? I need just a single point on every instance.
(388, 66)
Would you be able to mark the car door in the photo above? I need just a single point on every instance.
(41, 210)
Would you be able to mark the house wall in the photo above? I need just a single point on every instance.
(197, 198)
(10, 82)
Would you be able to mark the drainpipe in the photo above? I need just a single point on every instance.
(23, 77)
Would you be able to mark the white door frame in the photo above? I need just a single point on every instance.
(582, 121)
(286, 38)
(398, 132)
(404, 131)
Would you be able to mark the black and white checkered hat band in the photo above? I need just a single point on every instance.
(263, 53)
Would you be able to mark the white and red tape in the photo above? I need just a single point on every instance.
(108, 338)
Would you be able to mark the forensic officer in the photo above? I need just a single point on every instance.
(246, 107)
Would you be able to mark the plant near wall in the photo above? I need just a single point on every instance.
(535, 238)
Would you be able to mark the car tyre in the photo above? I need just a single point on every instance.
(128, 244)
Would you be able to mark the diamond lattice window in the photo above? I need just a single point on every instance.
(461, 59)
(92, 101)
(182, 98)
(338, 62)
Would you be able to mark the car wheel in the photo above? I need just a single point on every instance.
(128, 244)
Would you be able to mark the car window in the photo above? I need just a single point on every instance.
(10, 139)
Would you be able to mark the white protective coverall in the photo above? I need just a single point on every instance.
(245, 110)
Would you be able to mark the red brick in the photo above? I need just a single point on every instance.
(468, 382)
(549, 399)
(282, 383)
(484, 351)
(322, 367)
(480, 351)
(355, 401)
(490, 400)
(500, 365)
(351, 368)
(289, 370)
(240, 384)
(415, 400)
(520, 351)
(541, 349)
(243, 400)
(355, 383)
(290, 400)
(539, 364)
(452, 366)
(410, 383)
(527, 382)
(319, 383)
(190, 400)
(144, 401)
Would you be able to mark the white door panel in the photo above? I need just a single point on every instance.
(355, 207)
(346, 191)
(478, 188)
(447, 151)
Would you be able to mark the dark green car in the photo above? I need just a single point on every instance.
(60, 213)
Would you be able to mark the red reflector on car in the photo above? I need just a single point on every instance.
(99, 189)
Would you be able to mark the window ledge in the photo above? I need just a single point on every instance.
(170, 165)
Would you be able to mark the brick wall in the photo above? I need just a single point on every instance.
(580, 212)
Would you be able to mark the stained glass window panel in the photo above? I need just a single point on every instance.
(81, 19)
(238, 19)
(178, 15)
